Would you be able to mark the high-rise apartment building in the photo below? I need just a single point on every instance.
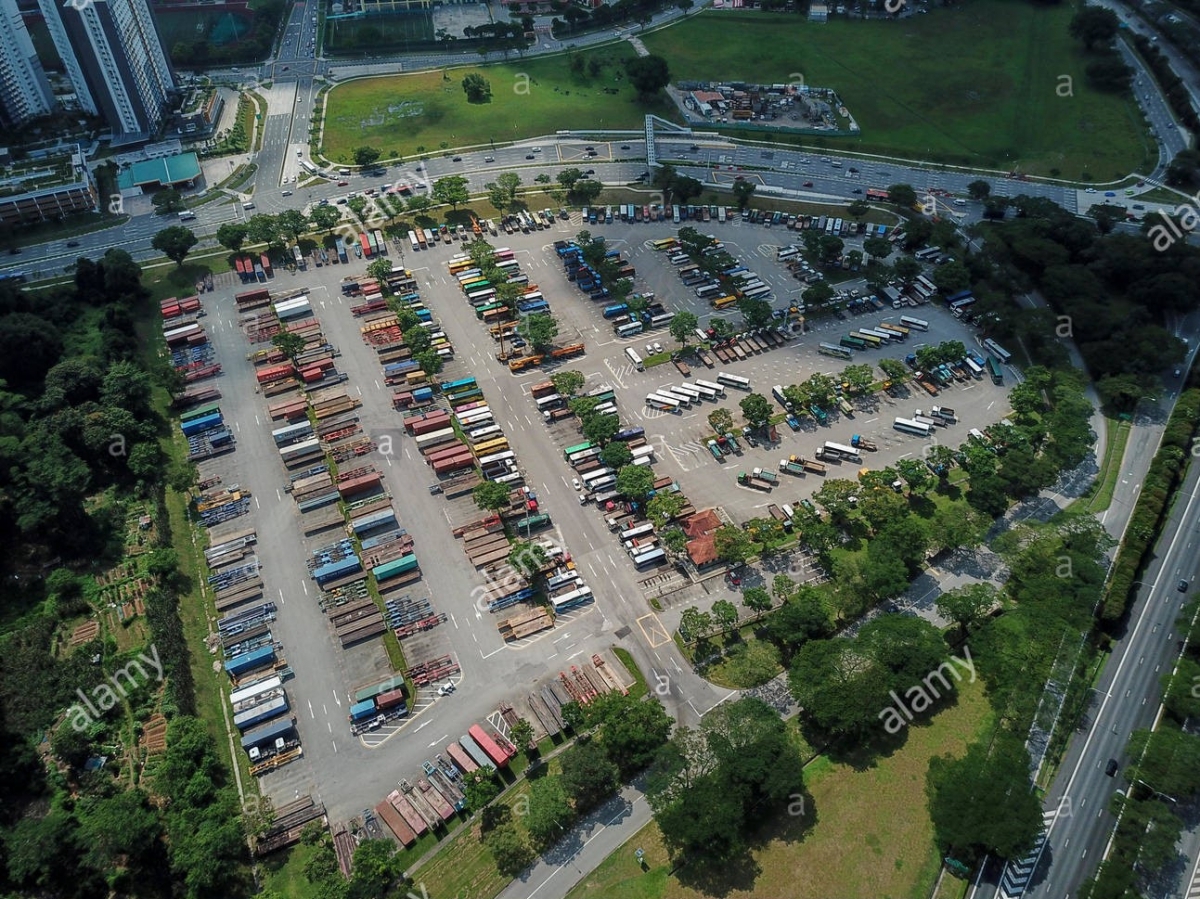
(24, 90)
(115, 60)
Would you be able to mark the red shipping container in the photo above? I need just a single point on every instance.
(390, 700)
(275, 373)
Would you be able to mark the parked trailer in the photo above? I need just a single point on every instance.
(499, 757)
(477, 754)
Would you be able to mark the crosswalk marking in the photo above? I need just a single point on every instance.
(1016, 874)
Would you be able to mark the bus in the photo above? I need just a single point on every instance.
(666, 243)
(676, 394)
(853, 343)
(675, 215)
(591, 477)
(869, 339)
(662, 320)
(886, 336)
(503, 254)
(632, 355)
(917, 323)
(998, 351)
(708, 290)
(508, 265)
(908, 426)
(733, 380)
(468, 274)
(841, 451)
(479, 297)
(707, 392)
(666, 404)
(958, 306)
(994, 370)
(758, 293)
(629, 329)
(974, 368)
(551, 401)
(690, 391)
(487, 432)
(572, 600)
(874, 193)
(472, 286)
(496, 458)
(458, 266)
(638, 530)
(899, 330)
(577, 448)
(579, 458)
(651, 557)
(710, 385)
(837, 352)
(923, 281)
(412, 238)
(722, 302)
(450, 387)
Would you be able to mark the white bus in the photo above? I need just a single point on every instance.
(487, 432)
(593, 476)
(412, 238)
(707, 392)
(632, 355)
(885, 336)
(602, 483)
(917, 323)
(673, 393)
(643, 452)
(709, 385)
(552, 401)
(664, 403)
(998, 351)
(974, 368)
(638, 530)
(708, 290)
(689, 390)
(630, 329)
(609, 408)
(908, 426)
(758, 293)
(734, 380)
(495, 458)
(479, 297)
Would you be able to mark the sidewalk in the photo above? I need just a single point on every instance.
(592, 840)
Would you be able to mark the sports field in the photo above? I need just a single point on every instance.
(865, 835)
(990, 83)
(398, 114)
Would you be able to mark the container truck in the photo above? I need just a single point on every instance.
(944, 412)
(860, 442)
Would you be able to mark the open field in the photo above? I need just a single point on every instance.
(973, 85)
(872, 835)
(401, 114)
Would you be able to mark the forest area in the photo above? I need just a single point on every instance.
(109, 785)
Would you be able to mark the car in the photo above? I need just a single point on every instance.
(435, 489)
(537, 149)
(808, 184)
(343, 184)
(649, 349)
(457, 159)
(1111, 768)
(72, 243)
(1138, 206)
(694, 148)
(740, 178)
(285, 68)
(14, 251)
(852, 170)
(299, 152)
(590, 172)
(445, 689)
(1090, 190)
(530, 156)
(624, 146)
(489, 159)
(658, 348)
(576, 484)
(1109, 193)
(589, 149)
(857, 190)
(1178, 371)
(1182, 586)
(323, 202)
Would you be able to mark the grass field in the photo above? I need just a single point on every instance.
(872, 837)
(400, 114)
(974, 84)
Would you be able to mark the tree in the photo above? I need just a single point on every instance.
(742, 192)
(683, 325)
(588, 775)
(906, 268)
(586, 190)
(232, 235)
(981, 803)
(481, 788)
(733, 545)
(477, 88)
(694, 624)
(1109, 74)
(418, 204)
(721, 421)
(568, 383)
(380, 268)
(647, 74)
(616, 455)
(357, 205)
(979, 190)
(550, 812)
(756, 409)
(510, 850)
(365, 156)
(289, 343)
(878, 247)
(1094, 25)
(902, 195)
(663, 507)
(951, 278)
(429, 360)
(377, 869)
(264, 229)
(635, 481)
(451, 190)
(968, 605)
(757, 599)
(600, 428)
(168, 200)
(527, 557)
(521, 735)
(174, 242)
(539, 329)
(325, 218)
(293, 223)
(858, 209)
(725, 613)
(685, 188)
(502, 193)
(755, 313)
(490, 496)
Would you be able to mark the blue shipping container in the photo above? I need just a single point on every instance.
(331, 571)
(197, 425)
(248, 661)
(361, 710)
(267, 733)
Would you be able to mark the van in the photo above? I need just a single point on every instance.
(247, 206)
(187, 216)
(960, 202)
(343, 171)
(286, 193)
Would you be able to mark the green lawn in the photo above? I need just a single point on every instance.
(867, 834)
(400, 114)
(974, 84)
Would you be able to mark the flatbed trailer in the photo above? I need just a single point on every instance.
(411, 817)
(396, 823)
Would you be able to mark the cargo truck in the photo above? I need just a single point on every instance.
(757, 483)
(716, 451)
(796, 468)
(766, 475)
(859, 442)
(944, 412)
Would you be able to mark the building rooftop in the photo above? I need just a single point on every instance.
(701, 523)
(40, 172)
(166, 170)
